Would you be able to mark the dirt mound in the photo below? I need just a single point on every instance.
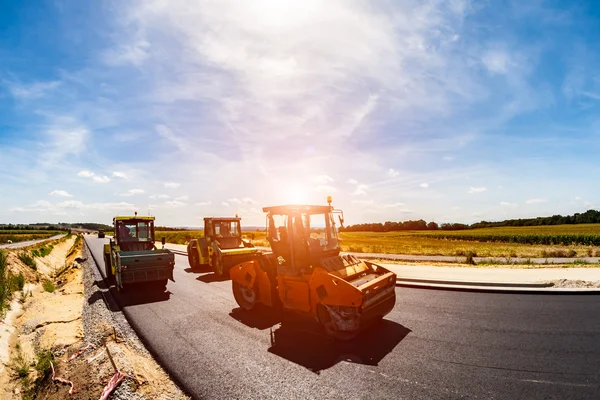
(569, 283)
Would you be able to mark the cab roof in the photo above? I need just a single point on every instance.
(222, 218)
(132, 217)
(296, 209)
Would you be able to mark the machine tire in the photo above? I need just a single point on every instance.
(245, 296)
(107, 268)
(330, 329)
(193, 258)
(217, 264)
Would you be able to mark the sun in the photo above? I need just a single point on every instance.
(295, 194)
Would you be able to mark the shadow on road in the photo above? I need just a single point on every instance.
(261, 317)
(308, 346)
(133, 295)
(301, 340)
(211, 277)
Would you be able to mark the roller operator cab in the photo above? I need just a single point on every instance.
(131, 256)
(305, 272)
(221, 247)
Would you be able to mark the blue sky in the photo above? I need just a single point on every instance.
(452, 111)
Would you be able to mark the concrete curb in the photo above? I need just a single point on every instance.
(476, 283)
(490, 288)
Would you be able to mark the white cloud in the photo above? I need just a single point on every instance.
(32, 90)
(361, 190)
(93, 176)
(132, 53)
(322, 179)
(497, 61)
(535, 201)
(101, 179)
(175, 203)
(507, 204)
(364, 202)
(394, 205)
(172, 185)
(353, 181)
(182, 198)
(226, 204)
(245, 200)
(326, 188)
(119, 175)
(477, 189)
(424, 185)
(159, 196)
(132, 192)
(60, 193)
(392, 173)
(168, 134)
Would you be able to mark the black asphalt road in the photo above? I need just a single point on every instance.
(434, 345)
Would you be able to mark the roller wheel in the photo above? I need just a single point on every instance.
(193, 258)
(331, 329)
(245, 296)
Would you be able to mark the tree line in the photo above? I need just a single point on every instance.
(588, 217)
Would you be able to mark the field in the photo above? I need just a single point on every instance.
(525, 242)
(20, 236)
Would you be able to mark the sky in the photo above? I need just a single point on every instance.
(447, 111)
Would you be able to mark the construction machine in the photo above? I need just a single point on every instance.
(221, 247)
(131, 256)
(305, 272)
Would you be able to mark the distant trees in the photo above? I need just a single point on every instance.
(588, 217)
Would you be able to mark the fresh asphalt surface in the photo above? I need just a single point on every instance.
(434, 345)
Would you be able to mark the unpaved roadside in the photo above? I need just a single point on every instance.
(60, 314)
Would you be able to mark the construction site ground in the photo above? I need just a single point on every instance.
(88, 342)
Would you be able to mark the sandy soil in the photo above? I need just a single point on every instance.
(53, 321)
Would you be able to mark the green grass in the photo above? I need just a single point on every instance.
(48, 286)
(9, 283)
(21, 236)
(43, 251)
(27, 259)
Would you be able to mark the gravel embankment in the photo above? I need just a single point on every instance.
(104, 322)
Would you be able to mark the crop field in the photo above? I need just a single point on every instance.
(20, 236)
(183, 237)
(525, 242)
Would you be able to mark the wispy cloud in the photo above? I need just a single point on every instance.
(132, 192)
(33, 90)
(172, 185)
(424, 185)
(535, 201)
(477, 189)
(92, 175)
(322, 179)
(392, 173)
(508, 204)
(60, 193)
(119, 175)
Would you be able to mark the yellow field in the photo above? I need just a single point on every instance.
(425, 242)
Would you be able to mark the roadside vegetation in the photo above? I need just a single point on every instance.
(21, 236)
(9, 283)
